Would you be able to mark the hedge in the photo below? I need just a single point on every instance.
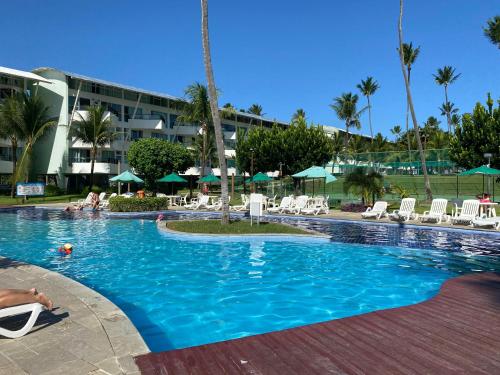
(122, 204)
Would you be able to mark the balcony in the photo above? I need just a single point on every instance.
(183, 130)
(85, 114)
(83, 166)
(147, 122)
(5, 166)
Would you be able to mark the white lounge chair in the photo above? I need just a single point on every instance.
(467, 213)
(34, 308)
(161, 195)
(244, 206)
(201, 202)
(378, 211)
(217, 206)
(83, 202)
(285, 203)
(437, 212)
(183, 201)
(316, 206)
(298, 205)
(406, 210)
(487, 222)
(105, 202)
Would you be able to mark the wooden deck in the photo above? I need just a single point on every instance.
(457, 332)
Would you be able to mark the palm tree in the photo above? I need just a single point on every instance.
(364, 182)
(396, 130)
(445, 77)
(337, 146)
(212, 92)
(299, 113)
(492, 31)
(431, 126)
(34, 122)
(197, 110)
(448, 109)
(204, 148)
(410, 54)
(94, 128)
(455, 120)
(256, 109)
(368, 88)
(11, 128)
(346, 108)
(406, 77)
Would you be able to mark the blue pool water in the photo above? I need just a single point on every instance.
(181, 291)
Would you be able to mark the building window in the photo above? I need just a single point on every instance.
(136, 134)
(115, 109)
(78, 155)
(129, 112)
(172, 121)
(108, 156)
(228, 128)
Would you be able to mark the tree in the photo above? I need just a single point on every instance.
(478, 133)
(379, 143)
(153, 158)
(212, 93)
(430, 128)
(94, 128)
(298, 113)
(368, 88)
(492, 31)
(34, 121)
(345, 106)
(445, 77)
(410, 102)
(396, 130)
(367, 183)
(410, 54)
(337, 147)
(256, 109)
(197, 110)
(449, 110)
(204, 148)
(11, 128)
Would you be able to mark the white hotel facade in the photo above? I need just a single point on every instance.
(135, 114)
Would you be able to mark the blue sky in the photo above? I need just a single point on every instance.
(281, 54)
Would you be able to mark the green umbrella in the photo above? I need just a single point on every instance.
(259, 177)
(172, 177)
(484, 170)
(316, 172)
(209, 178)
(126, 177)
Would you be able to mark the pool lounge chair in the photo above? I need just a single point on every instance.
(34, 308)
(83, 202)
(487, 222)
(378, 211)
(104, 204)
(201, 202)
(437, 212)
(316, 206)
(285, 203)
(244, 206)
(406, 210)
(467, 213)
(298, 205)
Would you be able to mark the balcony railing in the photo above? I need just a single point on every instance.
(88, 160)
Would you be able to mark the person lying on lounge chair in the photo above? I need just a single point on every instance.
(14, 297)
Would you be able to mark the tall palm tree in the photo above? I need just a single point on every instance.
(445, 77)
(197, 110)
(94, 128)
(448, 109)
(212, 92)
(11, 128)
(204, 148)
(337, 146)
(410, 54)
(410, 103)
(492, 31)
(35, 121)
(396, 130)
(364, 182)
(455, 120)
(345, 106)
(256, 109)
(431, 126)
(299, 113)
(368, 88)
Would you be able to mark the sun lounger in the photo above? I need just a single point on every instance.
(468, 212)
(244, 206)
(201, 202)
(285, 203)
(316, 206)
(105, 202)
(217, 206)
(406, 210)
(34, 308)
(437, 212)
(83, 202)
(378, 210)
(487, 222)
(298, 205)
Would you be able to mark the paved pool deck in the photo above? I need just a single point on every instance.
(84, 334)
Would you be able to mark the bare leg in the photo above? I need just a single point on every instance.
(14, 297)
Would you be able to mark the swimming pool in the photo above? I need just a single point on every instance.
(181, 291)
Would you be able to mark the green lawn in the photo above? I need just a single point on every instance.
(8, 201)
(235, 227)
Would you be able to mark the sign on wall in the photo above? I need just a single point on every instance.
(30, 189)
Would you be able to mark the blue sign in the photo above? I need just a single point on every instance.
(30, 189)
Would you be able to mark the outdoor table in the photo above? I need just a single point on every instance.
(489, 207)
(172, 199)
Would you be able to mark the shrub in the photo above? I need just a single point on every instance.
(353, 207)
(52, 191)
(122, 204)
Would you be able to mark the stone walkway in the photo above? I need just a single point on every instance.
(85, 333)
